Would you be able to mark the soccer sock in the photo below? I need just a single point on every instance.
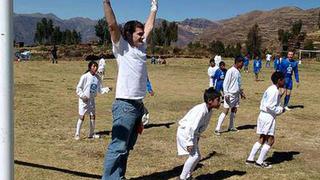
(263, 153)
(79, 124)
(188, 165)
(92, 127)
(231, 123)
(254, 150)
(286, 100)
(220, 121)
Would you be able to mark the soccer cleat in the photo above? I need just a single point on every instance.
(94, 136)
(77, 137)
(263, 165)
(216, 132)
(233, 129)
(287, 108)
(248, 162)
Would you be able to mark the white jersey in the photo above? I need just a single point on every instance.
(193, 124)
(268, 57)
(132, 70)
(232, 82)
(88, 86)
(211, 72)
(102, 64)
(270, 102)
(217, 60)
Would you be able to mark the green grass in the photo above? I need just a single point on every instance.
(46, 110)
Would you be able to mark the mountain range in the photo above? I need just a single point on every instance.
(229, 31)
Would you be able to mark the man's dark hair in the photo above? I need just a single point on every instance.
(129, 28)
(276, 76)
(210, 94)
(238, 59)
(222, 64)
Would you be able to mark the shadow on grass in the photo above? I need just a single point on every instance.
(175, 172)
(67, 171)
(222, 174)
(279, 157)
(248, 126)
(167, 125)
(104, 133)
(296, 106)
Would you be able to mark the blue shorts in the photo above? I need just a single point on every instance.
(288, 83)
(219, 86)
(256, 71)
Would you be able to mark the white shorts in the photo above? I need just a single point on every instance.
(266, 124)
(234, 101)
(87, 107)
(182, 142)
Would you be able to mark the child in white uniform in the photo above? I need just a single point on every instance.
(191, 126)
(87, 88)
(269, 109)
(232, 92)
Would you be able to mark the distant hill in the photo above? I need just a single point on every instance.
(25, 26)
(231, 30)
(236, 29)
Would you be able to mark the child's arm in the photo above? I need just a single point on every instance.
(79, 89)
(101, 89)
(193, 128)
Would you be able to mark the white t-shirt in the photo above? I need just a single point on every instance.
(132, 70)
(268, 58)
(270, 102)
(232, 82)
(102, 64)
(194, 123)
(217, 60)
(88, 86)
(211, 72)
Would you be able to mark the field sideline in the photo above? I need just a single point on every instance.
(46, 110)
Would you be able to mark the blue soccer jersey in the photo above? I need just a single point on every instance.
(288, 67)
(257, 64)
(276, 64)
(219, 78)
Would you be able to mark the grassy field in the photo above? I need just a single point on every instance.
(46, 110)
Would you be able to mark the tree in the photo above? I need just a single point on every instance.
(102, 31)
(47, 33)
(253, 42)
(216, 47)
(291, 39)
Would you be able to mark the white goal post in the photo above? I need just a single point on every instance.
(309, 52)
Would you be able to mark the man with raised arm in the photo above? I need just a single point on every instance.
(129, 49)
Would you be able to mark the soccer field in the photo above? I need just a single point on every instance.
(46, 111)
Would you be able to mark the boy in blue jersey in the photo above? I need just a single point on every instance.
(276, 63)
(287, 67)
(246, 63)
(219, 77)
(257, 65)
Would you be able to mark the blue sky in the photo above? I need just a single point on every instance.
(172, 10)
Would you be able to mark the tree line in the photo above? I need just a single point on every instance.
(48, 34)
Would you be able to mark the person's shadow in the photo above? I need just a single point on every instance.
(279, 157)
(248, 126)
(164, 175)
(222, 174)
(104, 133)
(167, 125)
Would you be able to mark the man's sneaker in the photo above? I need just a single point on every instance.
(263, 165)
(287, 108)
(248, 162)
(233, 129)
(216, 132)
(77, 137)
(94, 136)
